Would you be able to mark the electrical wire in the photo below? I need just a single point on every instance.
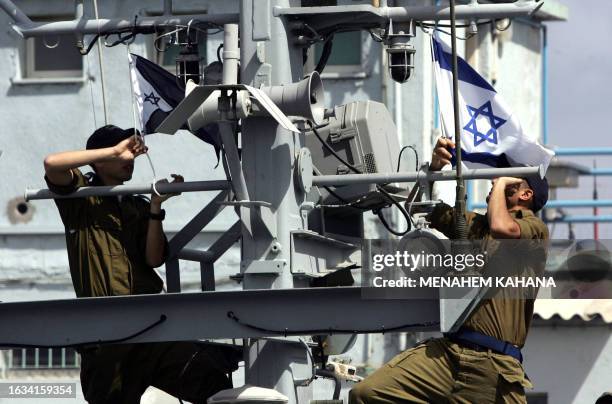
(219, 53)
(312, 360)
(91, 92)
(403, 211)
(180, 28)
(416, 155)
(438, 27)
(379, 188)
(101, 63)
(180, 377)
(329, 331)
(325, 54)
(90, 46)
(162, 318)
(462, 38)
(375, 36)
(345, 203)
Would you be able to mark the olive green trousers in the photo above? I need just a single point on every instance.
(120, 374)
(441, 371)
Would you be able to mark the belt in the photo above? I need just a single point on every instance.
(479, 342)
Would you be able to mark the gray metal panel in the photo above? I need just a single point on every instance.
(315, 255)
(263, 267)
(183, 111)
(261, 20)
(192, 316)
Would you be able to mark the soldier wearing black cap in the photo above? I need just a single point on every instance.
(482, 361)
(113, 245)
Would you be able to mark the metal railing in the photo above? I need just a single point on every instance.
(42, 358)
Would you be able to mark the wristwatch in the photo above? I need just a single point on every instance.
(158, 216)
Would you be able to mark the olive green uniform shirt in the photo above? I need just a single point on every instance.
(106, 241)
(505, 316)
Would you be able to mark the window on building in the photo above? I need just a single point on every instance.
(346, 57)
(53, 56)
(42, 358)
(537, 398)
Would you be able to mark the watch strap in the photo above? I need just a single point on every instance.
(158, 216)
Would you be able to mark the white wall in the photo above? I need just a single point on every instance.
(572, 364)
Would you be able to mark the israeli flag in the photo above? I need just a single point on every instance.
(156, 93)
(491, 135)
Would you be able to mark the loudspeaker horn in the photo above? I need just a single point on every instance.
(304, 99)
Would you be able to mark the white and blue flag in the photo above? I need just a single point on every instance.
(157, 93)
(491, 135)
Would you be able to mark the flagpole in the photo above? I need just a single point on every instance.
(460, 220)
(595, 208)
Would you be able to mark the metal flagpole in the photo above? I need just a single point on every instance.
(460, 221)
(595, 208)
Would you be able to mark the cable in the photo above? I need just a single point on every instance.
(437, 27)
(329, 374)
(312, 360)
(329, 331)
(417, 191)
(332, 151)
(219, 53)
(416, 155)
(90, 46)
(180, 377)
(378, 187)
(344, 204)
(162, 318)
(179, 28)
(91, 92)
(393, 201)
(100, 61)
(375, 36)
(325, 54)
(461, 38)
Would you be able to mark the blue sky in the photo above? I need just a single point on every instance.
(580, 97)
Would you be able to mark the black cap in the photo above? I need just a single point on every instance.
(108, 136)
(539, 186)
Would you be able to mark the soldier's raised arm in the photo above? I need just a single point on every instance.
(58, 166)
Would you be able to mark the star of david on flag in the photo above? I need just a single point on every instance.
(156, 94)
(495, 123)
(491, 135)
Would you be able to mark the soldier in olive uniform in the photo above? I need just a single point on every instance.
(482, 362)
(113, 245)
